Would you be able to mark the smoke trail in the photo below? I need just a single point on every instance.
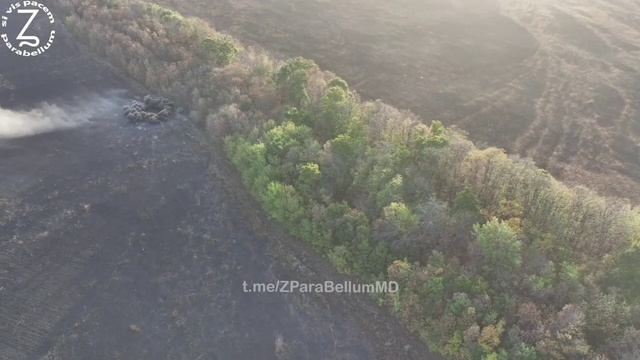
(47, 117)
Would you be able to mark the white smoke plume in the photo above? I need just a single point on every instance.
(47, 117)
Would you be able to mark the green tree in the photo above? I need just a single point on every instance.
(338, 110)
(287, 146)
(626, 274)
(400, 271)
(338, 82)
(309, 178)
(297, 116)
(338, 163)
(523, 352)
(344, 148)
(423, 139)
(283, 203)
(250, 160)
(433, 294)
(281, 139)
(466, 202)
(370, 259)
(347, 226)
(220, 49)
(500, 247)
(391, 192)
(400, 216)
(605, 318)
(341, 258)
(438, 136)
(459, 304)
(293, 81)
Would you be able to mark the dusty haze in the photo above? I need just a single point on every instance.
(47, 117)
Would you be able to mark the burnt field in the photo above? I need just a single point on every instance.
(555, 81)
(125, 241)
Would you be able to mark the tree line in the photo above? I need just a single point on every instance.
(496, 259)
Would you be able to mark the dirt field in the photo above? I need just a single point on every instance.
(132, 242)
(555, 81)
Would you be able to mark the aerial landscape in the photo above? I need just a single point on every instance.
(163, 162)
(558, 82)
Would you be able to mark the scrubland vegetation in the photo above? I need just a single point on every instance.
(496, 259)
